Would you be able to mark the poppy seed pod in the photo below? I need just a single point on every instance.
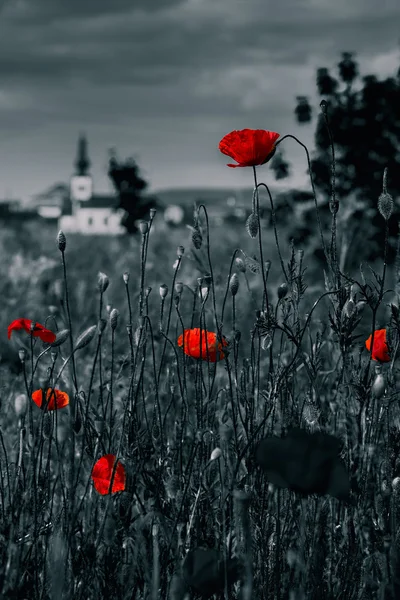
(152, 213)
(61, 241)
(144, 227)
(234, 284)
(180, 251)
(179, 287)
(163, 290)
(147, 292)
(125, 277)
(21, 354)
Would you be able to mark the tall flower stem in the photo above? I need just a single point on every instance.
(259, 240)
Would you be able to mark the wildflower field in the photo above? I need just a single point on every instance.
(193, 414)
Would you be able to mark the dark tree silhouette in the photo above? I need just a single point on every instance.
(365, 127)
(130, 187)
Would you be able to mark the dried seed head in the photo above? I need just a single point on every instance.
(179, 287)
(180, 251)
(234, 284)
(385, 205)
(125, 277)
(197, 238)
(21, 404)
(163, 290)
(102, 282)
(152, 213)
(240, 265)
(252, 225)
(144, 227)
(61, 241)
(282, 290)
(114, 318)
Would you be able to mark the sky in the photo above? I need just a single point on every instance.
(164, 80)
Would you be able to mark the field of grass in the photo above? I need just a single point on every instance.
(197, 510)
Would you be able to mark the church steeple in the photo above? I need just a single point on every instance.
(82, 162)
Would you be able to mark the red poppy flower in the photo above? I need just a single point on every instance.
(192, 344)
(380, 349)
(39, 331)
(249, 147)
(102, 472)
(57, 400)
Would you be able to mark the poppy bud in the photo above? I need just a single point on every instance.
(349, 308)
(61, 336)
(85, 338)
(144, 227)
(114, 318)
(47, 425)
(204, 293)
(163, 290)
(109, 530)
(266, 341)
(360, 306)
(101, 325)
(180, 251)
(215, 454)
(152, 213)
(252, 225)
(378, 387)
(61, 241)
(234, 284)
(179, 287)
(240, 265)
(197, 238)
(282, 290)
(102, 282)
(20, 405)
(385, 205)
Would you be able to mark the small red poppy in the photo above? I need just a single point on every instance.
(61, 399)
(380, 349)
(102, 473)
(192, 344)
(39, 331)
(249, 147)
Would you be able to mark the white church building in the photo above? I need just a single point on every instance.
(84, 211)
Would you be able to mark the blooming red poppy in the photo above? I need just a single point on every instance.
(192, 344)
(380, 349)
(249, 147)
(39, 331)
(57, 400)
(102, 473)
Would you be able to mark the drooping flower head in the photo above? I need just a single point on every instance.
(306, 463)
(191, 343)
(39, 330)
(102, 473)
(55, 398)
(380, 349)
(249, 147)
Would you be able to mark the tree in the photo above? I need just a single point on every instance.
(365, 127)
(130, 187)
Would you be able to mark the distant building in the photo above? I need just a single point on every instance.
(82, 211)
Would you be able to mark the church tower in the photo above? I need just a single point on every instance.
(81, 188)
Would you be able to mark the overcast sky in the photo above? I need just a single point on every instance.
(165, 80)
